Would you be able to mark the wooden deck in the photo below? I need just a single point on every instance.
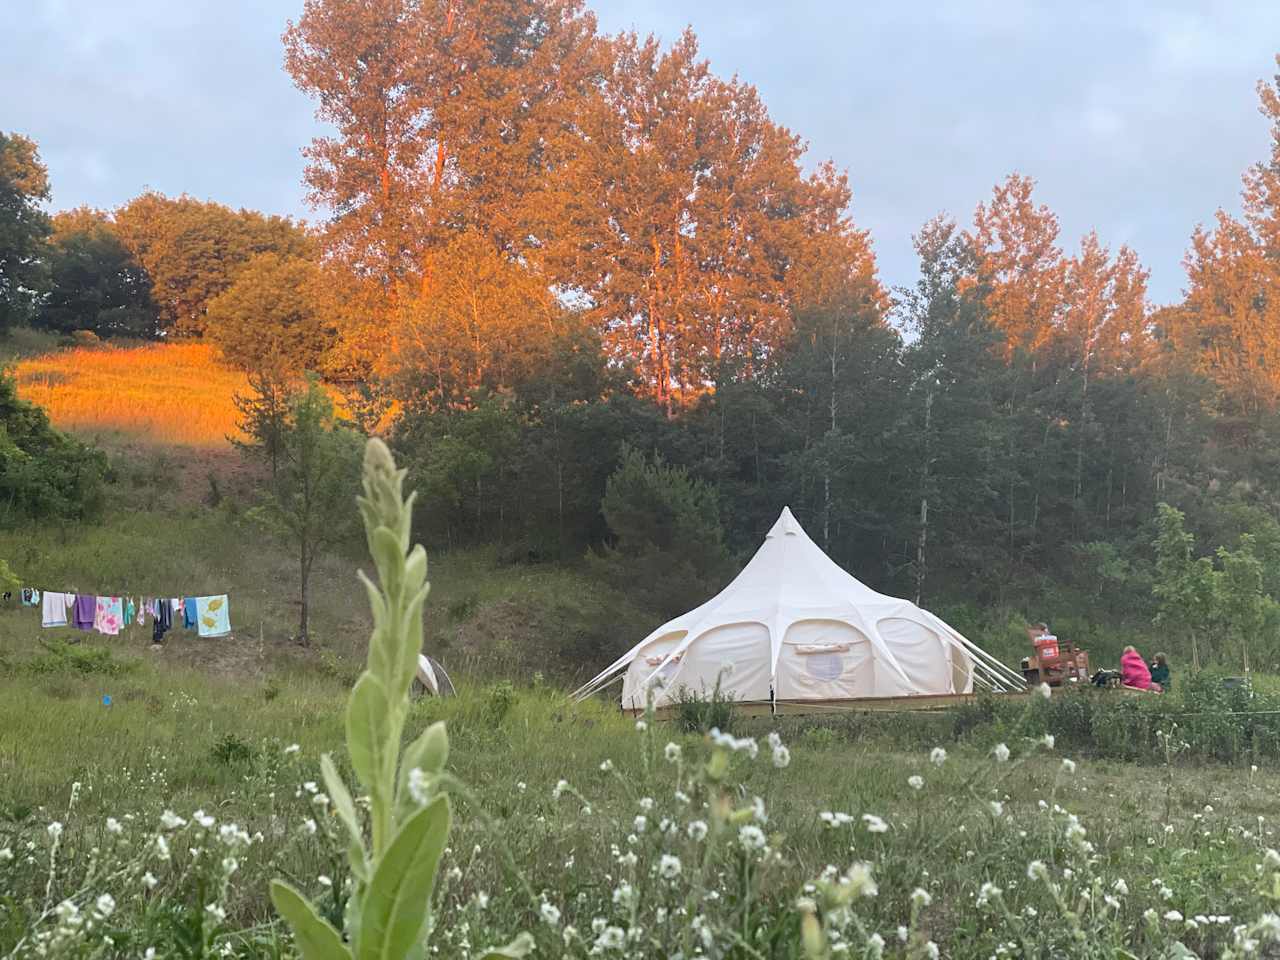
(798, 708)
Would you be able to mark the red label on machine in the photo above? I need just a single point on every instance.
(1047, 648)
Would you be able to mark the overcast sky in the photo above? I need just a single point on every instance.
(1136, 117)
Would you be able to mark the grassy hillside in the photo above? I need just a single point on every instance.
(161, 394)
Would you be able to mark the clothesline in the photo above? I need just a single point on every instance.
(210, 616)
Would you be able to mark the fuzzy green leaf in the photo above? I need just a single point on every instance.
(346, 811)
(367, 732)
(315, 937)
(428, 753)
(398, 900)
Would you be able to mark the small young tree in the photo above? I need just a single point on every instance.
(1184, 588)
(264, 411)
(309, 502)
(669, 544)
(1241, 604)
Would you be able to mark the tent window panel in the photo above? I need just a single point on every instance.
(921, 653)
(825, 660)
(634, 693)
(736, 654)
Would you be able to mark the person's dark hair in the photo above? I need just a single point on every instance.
(1160, 658)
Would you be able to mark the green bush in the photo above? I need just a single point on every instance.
(64, 659)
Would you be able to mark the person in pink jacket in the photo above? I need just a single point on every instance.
(1134, 671)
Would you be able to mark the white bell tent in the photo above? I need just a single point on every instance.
(794, 627)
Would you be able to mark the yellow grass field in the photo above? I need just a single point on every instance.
(164, 393)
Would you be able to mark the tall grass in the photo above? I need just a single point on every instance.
(162, 393)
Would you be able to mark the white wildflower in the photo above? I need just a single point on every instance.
(1044, 691)
(1068, 765)
(988, 892)
(669, 867)
(997, 808)
(309, 826)
(203, 820)
(1047, 741)
(697, 830)
(641, 726)
(606, 765)
(874, 823)
(859, 880)
(105, 905)
(291, 748)
(550, 914)
(611, 938)
(672, 752)
(931, 950)
(418, 786)
(920, 897)
(1173, 916)
(757, 810)
(915, 782)
(171, 821)
(216, 912)
(645, 804)
(938, 756)
(639, 823)
(781, 756)
(751, 837)
(162, 848)
(1036, 870)
(113, 826)
(1001, 752)
(559, 789)
(324, 880)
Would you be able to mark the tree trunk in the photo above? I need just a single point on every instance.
(304, 569)
(922, 541)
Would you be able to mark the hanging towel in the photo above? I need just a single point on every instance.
(213, 615)
(129, 611)
(30, 597)
(189, 612)
(83, 611)
(163, 613)
(108, 615)
(53, 608)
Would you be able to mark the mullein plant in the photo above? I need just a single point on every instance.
(388, 915)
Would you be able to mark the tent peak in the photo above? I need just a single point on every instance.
(786, 523)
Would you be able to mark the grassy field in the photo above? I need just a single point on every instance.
(165, 394)
(1098, 859)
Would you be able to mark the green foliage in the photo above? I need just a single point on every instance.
(24, 187)
(271, 320)
(95, 282)
(668, 543)
(44, 474)
(231, 750)
(66, 659)
(700, 711)
(1184, 587)
(307, 504)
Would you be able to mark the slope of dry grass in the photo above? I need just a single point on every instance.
(161, 393)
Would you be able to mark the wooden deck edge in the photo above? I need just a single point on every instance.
(796, 708)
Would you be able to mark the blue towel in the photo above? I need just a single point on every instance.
(214, 616)
(189, 613)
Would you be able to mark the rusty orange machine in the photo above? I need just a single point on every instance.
(1055, 662)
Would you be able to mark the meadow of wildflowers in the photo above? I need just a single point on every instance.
(153, 828)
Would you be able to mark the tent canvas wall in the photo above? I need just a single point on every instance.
(793, 626)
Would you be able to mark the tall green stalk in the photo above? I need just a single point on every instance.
(388, 915)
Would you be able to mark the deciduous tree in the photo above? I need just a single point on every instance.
(24, 187)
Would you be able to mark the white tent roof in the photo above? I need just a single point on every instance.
(794, 625)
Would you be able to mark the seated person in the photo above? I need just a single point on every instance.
(1134, 671)
(1160, 671)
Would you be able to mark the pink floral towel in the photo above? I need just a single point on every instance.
(108, 615)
